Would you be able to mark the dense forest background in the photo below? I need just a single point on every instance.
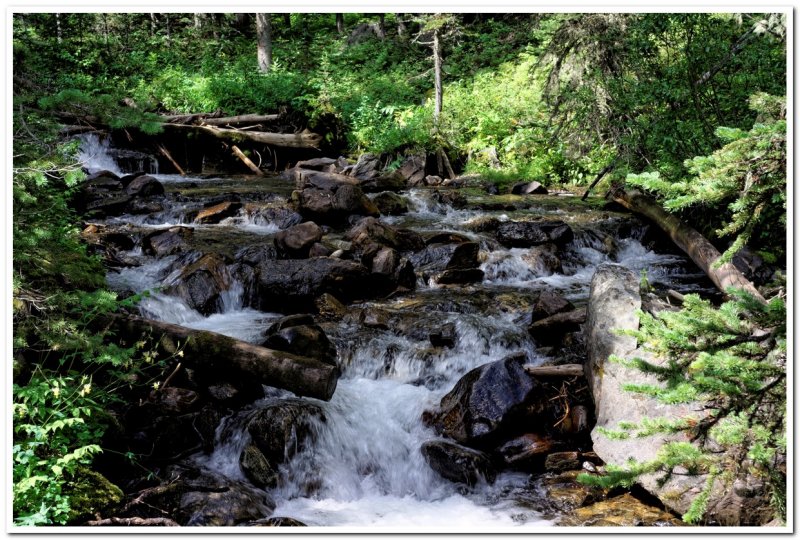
(556, 98)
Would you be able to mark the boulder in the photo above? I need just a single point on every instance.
(293, 284)
(302, 337)
(528, 188)
(450, 197)
(257, 468)
(373, 231)
(283, 426)
(613, 304)
(162, 243)
(549, 303)
(439, 257)
(390, 270)
(413, 170)
(144, 186)
(552, 329)
(390, 204)
(317, 164)
(255, 255)
(459, 276)
(392, 181)
(368, 166)
(444, 337)
(279, 216)
(218, 212)
(106, 205)
(486, 402)
(334, 205)
(201, 283)
(296, 241)
(458, 463)
(533, 233)
(320, 250)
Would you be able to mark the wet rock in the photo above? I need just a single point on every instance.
(482, 224)
(144, 186)
(552, 329)
(453, 198)
(390, 204)
(256, 467)
(144, 206)
(218, 212)
(528, 188)
(224, 393)
(577, 422)
(439, 257)
(301, 338)
(279, 216)
(163, 243)
(107, 205)
(543, 260)
(374, 318)
(128, 178)
(565, 493)
(201, 283)
(458, 276)
(101, 177)
(277, 522)
(245, 275)
(622, 511)
(255, 255)
(562, 461)
(295, 242)
(373, 231)
(320, 250)
(367, 166)
(549, 303)
(317, 164)
(290, 285)
(413, 170)
(329, 307)
(283, 426)
(289, 321)
(485, 401)
(433, 180)
(533, 233)
(172, 437)
(444, 337)
(458, 463)
(393, 181)
(527, 451)
(90, 493)
(334, 205)
(389, 269)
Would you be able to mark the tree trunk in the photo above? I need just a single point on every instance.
(437, 77)
(198, 24)
(382, 25)
(264, 31)
(699, 249)
(340, 23)
(58, 28)
(214, 353)
(152, 24)
(305, 139)
(287, 20)
(241, 119)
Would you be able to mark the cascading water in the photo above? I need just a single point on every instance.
(365, 467)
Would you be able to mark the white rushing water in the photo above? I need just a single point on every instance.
(365, 468)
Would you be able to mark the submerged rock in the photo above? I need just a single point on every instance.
(283, 426)
(458, 463)
(257, 468)
(299, 335)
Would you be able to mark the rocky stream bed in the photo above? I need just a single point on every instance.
(430, 304)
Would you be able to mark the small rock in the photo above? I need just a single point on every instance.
(296, 241)
(329, 307)
(374, 318)
(528, 188)
(458, 463)
(622, 511)
(144, 186)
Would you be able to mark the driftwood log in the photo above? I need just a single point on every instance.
(694, 244)
(215, 353)
(304, 139)
(565, 370)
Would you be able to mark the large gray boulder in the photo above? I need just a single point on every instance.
(534, 233)
(613, 304)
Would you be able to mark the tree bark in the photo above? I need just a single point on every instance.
(437, 77)
(382, 25)
(241, 119)
(214, 353)
(264, 31)
(694, 244)
(305, 139)
(340, 23)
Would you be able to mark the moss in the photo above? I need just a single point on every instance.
(89, 493)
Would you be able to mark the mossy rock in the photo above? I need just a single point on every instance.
(89, 493)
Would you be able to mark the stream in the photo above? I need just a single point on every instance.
(365, 468)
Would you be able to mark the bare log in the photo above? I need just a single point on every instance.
(246, 160)
(241, 119)
(188, 118)
(567, 370)
(214, 353)
(694, 244)
(304, 139)
(607, 169)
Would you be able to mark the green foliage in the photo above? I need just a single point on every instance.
(731, 361)
(746, 178)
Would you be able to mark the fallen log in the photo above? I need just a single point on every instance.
(213, 353)
(133, 522)
(167, 155)
(241, 119)
(304, 139)
(566, 370)
(694, 244)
